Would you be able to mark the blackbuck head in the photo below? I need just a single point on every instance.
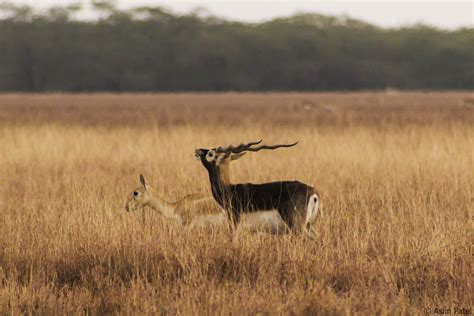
(140, 197)
(220, 156)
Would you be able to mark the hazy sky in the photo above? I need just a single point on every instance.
(444, 14)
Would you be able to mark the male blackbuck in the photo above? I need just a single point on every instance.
(198, 210)
(296, 202)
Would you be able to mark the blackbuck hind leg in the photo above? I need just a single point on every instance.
(287, 215)
(295, 215)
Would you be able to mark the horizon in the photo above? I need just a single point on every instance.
(441, 15)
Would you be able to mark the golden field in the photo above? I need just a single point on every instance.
(395, 235)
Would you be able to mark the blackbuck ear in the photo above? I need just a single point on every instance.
(222, 158)
(236, 156)
(144, 182)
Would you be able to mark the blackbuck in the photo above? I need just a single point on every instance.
(296, 202)
(198, 210)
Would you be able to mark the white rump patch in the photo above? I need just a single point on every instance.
(312, 209)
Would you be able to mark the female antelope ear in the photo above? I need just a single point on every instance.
(237, 156)
(144, 182)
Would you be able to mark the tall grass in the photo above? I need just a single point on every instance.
(395, 235)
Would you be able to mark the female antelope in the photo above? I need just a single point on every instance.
(199, 210)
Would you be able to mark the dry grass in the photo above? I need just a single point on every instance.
(395, 170)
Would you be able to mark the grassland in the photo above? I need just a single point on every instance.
(395, 236)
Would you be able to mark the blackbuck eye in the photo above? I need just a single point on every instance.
(135, 193)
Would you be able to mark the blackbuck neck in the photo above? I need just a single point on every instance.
(217, 184)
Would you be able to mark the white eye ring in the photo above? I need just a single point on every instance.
(210, 155)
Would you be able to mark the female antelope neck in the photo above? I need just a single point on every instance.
(161, 205)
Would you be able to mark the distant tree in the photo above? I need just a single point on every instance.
(152, 49)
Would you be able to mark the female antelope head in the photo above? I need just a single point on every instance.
(140, 197)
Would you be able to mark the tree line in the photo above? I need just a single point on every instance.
(152, 49)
